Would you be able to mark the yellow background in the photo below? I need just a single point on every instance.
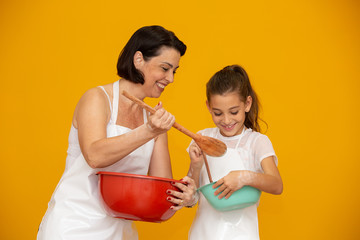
(302, 57)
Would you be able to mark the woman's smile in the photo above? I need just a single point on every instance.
(161, 86)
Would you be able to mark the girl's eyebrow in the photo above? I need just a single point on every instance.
(229, 108)
(234, 107)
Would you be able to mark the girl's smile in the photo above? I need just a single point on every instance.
(229, 127)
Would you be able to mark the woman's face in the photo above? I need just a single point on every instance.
(158, 71)
(228, 112)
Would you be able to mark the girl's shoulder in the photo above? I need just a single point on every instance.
(210, 132)
(253, 138)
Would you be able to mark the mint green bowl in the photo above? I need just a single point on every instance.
(242, 198)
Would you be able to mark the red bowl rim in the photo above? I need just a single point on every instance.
(139, 176)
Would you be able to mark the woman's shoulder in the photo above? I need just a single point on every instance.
(94, 101)
(97, 94)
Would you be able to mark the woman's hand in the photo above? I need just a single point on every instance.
(230, 183)
(161, 121)
(187, 197)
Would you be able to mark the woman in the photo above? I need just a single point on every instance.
(111, 133)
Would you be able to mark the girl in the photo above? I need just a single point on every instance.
(250, 158)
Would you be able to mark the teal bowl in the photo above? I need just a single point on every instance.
(242, 198)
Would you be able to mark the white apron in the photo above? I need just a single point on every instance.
(211, 224)
(75, 211)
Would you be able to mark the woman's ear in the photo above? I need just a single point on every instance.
(138, 59)
(248, 104)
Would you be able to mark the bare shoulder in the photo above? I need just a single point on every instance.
(91, 96)
(93, 102)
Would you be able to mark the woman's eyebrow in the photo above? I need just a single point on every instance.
(168, 64)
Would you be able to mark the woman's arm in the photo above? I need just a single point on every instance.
(91, 117)
(188, 196)
(269, 181)
(160, 164)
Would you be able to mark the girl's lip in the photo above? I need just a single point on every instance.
(227, 128)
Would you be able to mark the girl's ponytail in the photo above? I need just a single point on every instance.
(234, 78)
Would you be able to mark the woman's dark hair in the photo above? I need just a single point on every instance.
(235, 79)
(148, 40)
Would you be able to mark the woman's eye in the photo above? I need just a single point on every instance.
(165, 69)
(234, 113)
(217, 114)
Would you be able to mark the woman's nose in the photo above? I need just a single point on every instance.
(170, 76)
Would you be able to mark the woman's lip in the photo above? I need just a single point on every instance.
(160, 85)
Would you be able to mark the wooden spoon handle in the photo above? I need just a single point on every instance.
(139, 102)
(151, 110)
(207, 168)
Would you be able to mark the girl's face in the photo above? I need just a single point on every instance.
(158, 71)
(228, 112)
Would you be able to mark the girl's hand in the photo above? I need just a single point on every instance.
(161, 121)
(230, 183)
(187, 197)
(196, 156)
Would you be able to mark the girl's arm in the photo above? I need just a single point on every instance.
(91, 117)
(197, 161)
(269, 181)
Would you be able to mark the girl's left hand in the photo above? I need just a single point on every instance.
(187, 196)
(230, 183)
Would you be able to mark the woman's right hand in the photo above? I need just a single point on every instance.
(161, 121)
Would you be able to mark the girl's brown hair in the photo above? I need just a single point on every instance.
(234, 78)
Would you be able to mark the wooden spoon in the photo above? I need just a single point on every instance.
(209, 145)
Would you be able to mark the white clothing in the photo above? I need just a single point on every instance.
(244, 152)
(75, 211)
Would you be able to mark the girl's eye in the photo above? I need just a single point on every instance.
(217, 114)
(234, 113)
(165, 69)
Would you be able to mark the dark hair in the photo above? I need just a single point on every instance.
(234, 78)
(148, 40)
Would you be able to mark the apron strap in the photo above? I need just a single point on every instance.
(114, 112)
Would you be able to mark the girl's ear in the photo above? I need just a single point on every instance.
(248, 104)
(138, 59)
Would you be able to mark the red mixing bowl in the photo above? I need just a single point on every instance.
(136, 197)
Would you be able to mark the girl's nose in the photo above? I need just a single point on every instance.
(227, 119)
